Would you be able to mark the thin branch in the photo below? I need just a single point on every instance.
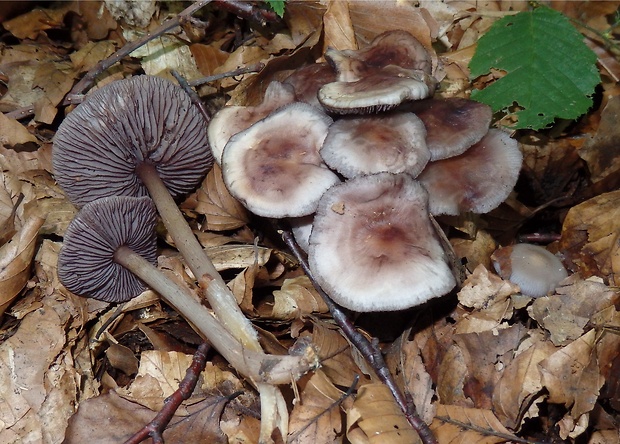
(237, 72)
(369, 350)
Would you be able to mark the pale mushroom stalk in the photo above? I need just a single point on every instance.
(256, 366)
(218, 294)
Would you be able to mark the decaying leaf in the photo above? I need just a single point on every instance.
(375, 418)
(591, 237)
(458, 425)
(316, 417)
(296, 298)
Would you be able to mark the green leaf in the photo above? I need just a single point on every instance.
(277, 6)
(550, 72)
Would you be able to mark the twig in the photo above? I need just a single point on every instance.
(155, 428)
(248, 11)
(369, 350)
(100, 67)
(192, 95)
(237, 72)
(21, 113)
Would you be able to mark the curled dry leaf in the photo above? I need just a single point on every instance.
(221, 210)
(591, 237)
(375, 418)
(572, 377)
(316, 418)
(460, 425)
(566, 314)
(15, 260)
(296, 298)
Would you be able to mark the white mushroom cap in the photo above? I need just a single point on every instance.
(478, 180)
(274, 167)
(233, 119)
(373, 246)
(393, 143)
(534, 269)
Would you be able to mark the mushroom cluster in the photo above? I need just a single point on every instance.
(360, 155)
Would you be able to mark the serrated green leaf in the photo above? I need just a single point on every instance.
(277, 6)
(550, 72)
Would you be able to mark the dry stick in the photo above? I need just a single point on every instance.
(236, 72)
(369, 351)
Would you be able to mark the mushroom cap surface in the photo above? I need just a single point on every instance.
(452, 124)
(307, 80)
(231, 120)
(86, 261)
(478, 180)
(393, 143)
(142, 119)
(381, 90)
(274, 167)
(373, 246)
(533, 268)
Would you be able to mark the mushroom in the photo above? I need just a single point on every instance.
(108, 253)
(452, 124)
(233, 119)
(144, 134)
(307, 81)
(373, 246)
(478, 180)
(534, 269)
(392, 143)
(394, 68)
(274, 167)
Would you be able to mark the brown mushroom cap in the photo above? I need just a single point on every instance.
(231, 120)
(378, 91)
(394, 68)
(452, 124)
(274, 167)
(86, 263)
(373, 246)
(307, 81)
(145, 119)
(392, 143)
(478, 180)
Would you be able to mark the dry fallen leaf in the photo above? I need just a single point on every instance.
(458, 425)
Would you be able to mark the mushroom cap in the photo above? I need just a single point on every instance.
(534, 269)
(307, 80)
(231, 120)
(274, 167)
(301, 227)
(373, 246)
(143, 119)
(380, 90)
(452, 124)
(396, 47)
(86, 261)
(478, 180)
(394, 143)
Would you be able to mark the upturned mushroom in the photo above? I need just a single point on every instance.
(478, 180)
(231, 120)
(393, 143)
(373, 246)
(108, 253)
(394, 68)
(144, 134)
(274, 167)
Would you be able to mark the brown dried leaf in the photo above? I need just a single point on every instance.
(376, 418)
(459, 425)
(571, 376)
(212, 199)
(56, 80)
(28, 26)
(14, 133)
(295, 299)
(337, 26)
(317, 417)
(520, 382)
(591, 237)
(565, 314)
(15, 260)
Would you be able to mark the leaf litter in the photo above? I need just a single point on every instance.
(488, 365)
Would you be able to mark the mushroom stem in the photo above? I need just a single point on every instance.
(256, 366)
(218, 294)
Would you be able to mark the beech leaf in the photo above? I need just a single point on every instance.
(550, 72)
